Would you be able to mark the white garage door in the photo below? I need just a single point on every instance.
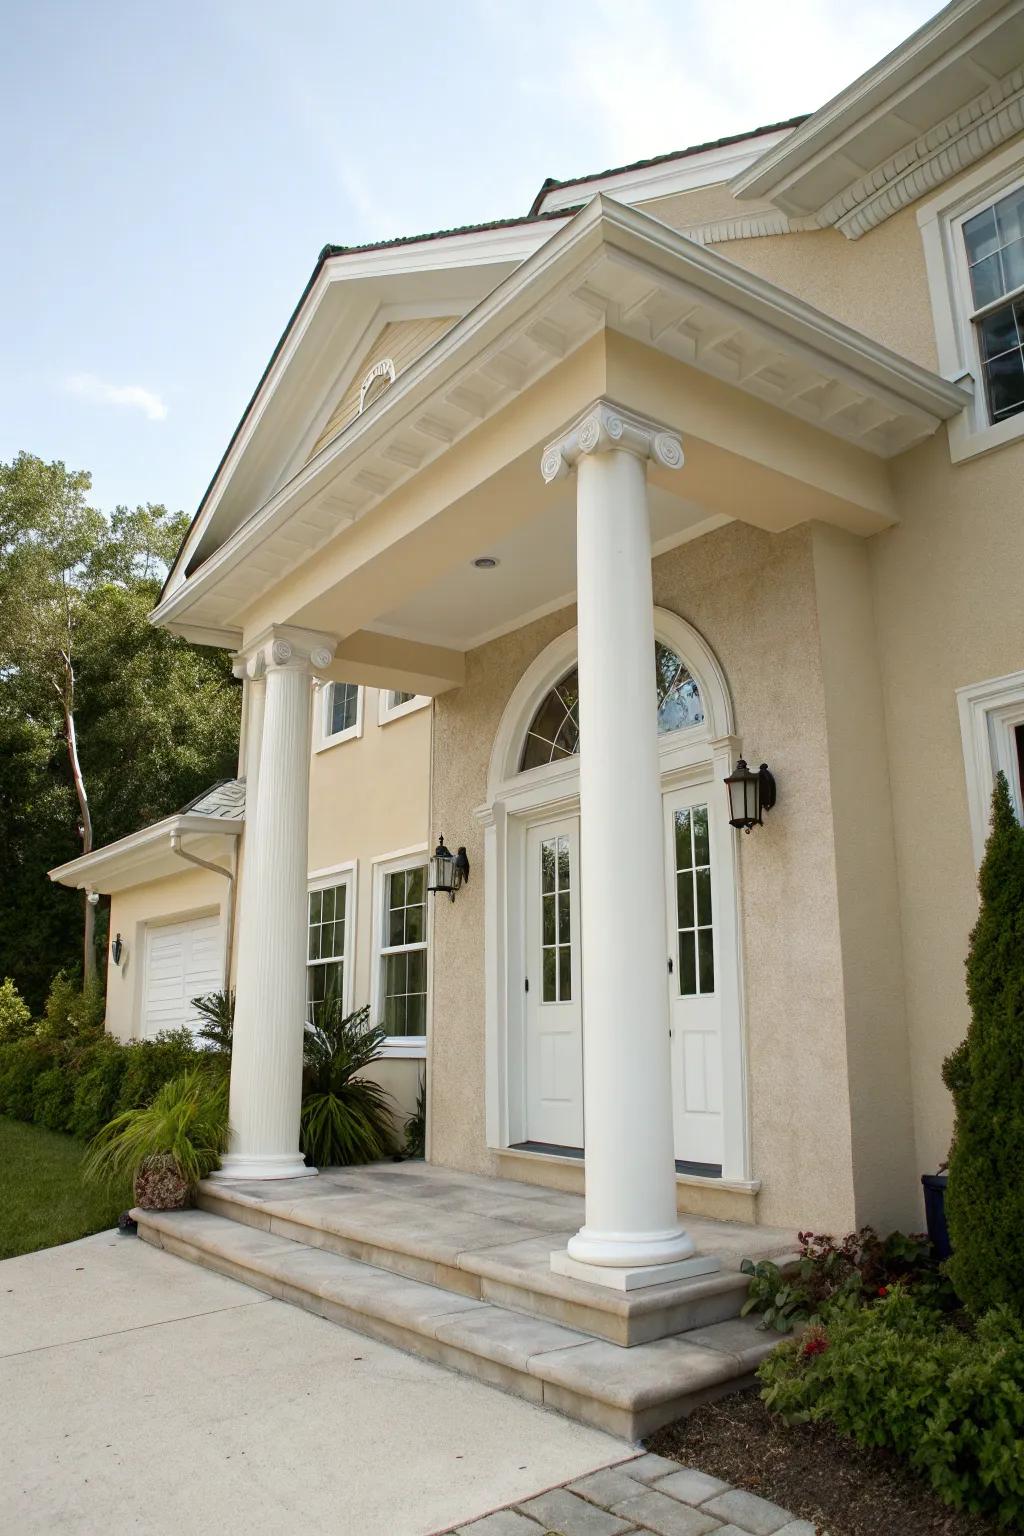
(183, 961)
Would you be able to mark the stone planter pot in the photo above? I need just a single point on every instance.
(158, 1186)
(934, 1185)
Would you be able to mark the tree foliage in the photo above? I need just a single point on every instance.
(106, 724)
(985, 1198)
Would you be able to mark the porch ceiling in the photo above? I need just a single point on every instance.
(611, 270)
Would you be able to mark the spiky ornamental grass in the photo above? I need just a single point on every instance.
(346, 1118)
(187, 1121)
(985, 1198)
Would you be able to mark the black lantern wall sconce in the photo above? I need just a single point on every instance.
(447, 872)
(751, 792)
(118, 950)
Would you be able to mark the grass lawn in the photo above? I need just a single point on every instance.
(44, 1199)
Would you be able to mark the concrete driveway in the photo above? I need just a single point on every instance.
(139, 1393)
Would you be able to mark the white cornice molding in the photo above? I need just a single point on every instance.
(711, 314)
(952, 146)
(141, 852)
(747, 226)
(605, 427)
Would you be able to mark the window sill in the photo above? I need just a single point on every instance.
(353, 734)
(410, 707)
(405, 1047)
(967, 441)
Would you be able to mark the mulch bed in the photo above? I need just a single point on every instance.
(809, 1469)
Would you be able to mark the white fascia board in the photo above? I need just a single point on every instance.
(602, 222)
(472, 250)
(878, 91)
(138, 852)
(684, 174)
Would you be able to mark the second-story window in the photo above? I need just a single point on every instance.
(994, 241)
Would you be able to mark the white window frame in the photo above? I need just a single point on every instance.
(320, 880)
(941, 222)
(324, 737)
(413, 1047)
(989, 715)
(387, 712)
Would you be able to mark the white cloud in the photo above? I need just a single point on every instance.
(88, 387)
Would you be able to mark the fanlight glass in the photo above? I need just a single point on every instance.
(555, 728)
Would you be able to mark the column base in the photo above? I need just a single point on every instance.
(241, 1165)
(635, 1277)
(629, 1250)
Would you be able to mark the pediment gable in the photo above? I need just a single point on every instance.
(398, 344)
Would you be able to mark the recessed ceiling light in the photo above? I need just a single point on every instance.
(485, 562)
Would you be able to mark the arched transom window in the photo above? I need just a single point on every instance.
(554, 731)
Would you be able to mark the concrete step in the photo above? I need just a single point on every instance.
(627, 1392)
(396, 1220)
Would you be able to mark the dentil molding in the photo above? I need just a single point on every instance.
(284, 646)
(605, 427)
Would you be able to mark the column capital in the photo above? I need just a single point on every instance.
(605, 426)
(283, 646)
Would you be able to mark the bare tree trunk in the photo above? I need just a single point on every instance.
(89, 937)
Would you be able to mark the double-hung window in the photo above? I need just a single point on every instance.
(402, 951)
(341, 713)
(394, 704)
(994, 248)
(327, 948)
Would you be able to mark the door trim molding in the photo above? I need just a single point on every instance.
(698, 754)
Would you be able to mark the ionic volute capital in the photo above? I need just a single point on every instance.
(286, 648)
(605, 427)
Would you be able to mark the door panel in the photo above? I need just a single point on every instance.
(183, 961)
(694, 989)
(554, 1015)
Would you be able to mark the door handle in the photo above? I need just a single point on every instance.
(671, 965)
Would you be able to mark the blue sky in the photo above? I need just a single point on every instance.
(171, 170)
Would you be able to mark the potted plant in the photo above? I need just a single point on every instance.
(166, 1147)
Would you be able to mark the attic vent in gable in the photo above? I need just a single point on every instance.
(399, 343)
(376, 382)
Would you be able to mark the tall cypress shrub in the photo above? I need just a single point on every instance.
(985, 1198)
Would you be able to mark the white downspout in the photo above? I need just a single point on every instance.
(229, 875)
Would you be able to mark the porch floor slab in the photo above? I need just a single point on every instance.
(491, 1240)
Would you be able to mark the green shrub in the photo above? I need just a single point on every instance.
(97, 1084)
(15, 1018)
(217, 1011)
(53, 1095)
(72, 1012)
(345, 1118)
(894, 1374)
(186, 1121)
(858, 1268)
(416, 1125)
(149, 1064)
(985, 1198)
(21, 1062)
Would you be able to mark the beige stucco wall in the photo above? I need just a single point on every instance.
(189, 894)
(812, 1024)
(949, 605)
(368, 800)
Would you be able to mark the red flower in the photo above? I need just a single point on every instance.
(814, 1344)
(883, 1290)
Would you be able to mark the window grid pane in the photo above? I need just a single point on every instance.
(556, 921)
(554, 731)
(994, 242)
(343, 707)
(695, 932)
(404, 953)
(325, 949)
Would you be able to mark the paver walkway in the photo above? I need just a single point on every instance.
(648, 1496)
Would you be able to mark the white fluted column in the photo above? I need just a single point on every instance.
(270, 983)
(632, 1235)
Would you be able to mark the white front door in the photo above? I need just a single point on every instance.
(695, 971)
(554, 1014)
(183, 961)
